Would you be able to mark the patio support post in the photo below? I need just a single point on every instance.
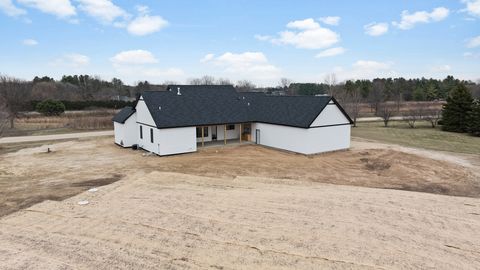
(240, 133)
(203, 143)
(225, 134)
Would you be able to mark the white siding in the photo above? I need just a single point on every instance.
(305, 141)
(177, 140)
(146, 142)
(331, 115)
(119, 131)
(125, 134)
(143, 114)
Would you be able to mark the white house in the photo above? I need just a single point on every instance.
(186, 117)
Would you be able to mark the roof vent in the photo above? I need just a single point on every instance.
(178, 91)
(159, 108)
(248, 103)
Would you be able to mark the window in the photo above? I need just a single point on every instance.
(151, 135)
(230, 127)
(199, 132)
(141, 132)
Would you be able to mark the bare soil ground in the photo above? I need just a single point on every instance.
(246, 207)
(176, 221)
(31, 175)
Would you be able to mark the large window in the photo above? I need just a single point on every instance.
(141, 132)
(151, 135)
(230, 127)
(199, 132)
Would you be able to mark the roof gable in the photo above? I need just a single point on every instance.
(123, 115)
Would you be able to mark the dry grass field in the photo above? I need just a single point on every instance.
(73, 121)
(375, 206)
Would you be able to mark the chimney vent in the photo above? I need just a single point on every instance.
(178, 91)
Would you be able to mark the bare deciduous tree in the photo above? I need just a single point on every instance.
(352, 99)
(433, 116)
(285, 83)
(3, 116)
(224, 81)
(44, 90)
(204, 80)
(16, 94)
(385, 111)
(413, 115)
(245, 85)
(331, 81)
(377, 95)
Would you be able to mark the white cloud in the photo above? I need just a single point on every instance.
(441, 68)
(59, 8)
(263, 37)
(471, 55)
(146, 24)
(330, 20)
(364, 69)
(331, 52)
(139, 64)
(371, 65)
(247, 64)
(103, 10)
(303, 24)
(30, 42)
(142, 9)
(308, 35)
(10, 9)
(73, 60)
(409, 20)
(134, 57)
(473, 42)
(472, 7)
(376, 29)
(207, 58)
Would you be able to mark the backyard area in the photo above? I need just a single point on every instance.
(414, 200)
(423, 136)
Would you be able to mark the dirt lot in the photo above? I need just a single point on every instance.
(175, 221)
(31, 175)
(258, 207)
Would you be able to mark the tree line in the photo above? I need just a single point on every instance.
(383, 95)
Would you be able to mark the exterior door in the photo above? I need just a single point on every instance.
(257, 136)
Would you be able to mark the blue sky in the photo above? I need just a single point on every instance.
(260, 41)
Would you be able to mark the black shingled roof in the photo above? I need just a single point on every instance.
(221, 104)
(123, 115)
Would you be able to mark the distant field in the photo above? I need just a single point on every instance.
(423, 136)
(35, 124)
(367, 110)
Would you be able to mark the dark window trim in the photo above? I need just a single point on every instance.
(151, 135)
(141, 132)
(199, 132)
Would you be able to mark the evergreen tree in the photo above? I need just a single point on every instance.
(419, 94)
(455, 114)
(474, 119)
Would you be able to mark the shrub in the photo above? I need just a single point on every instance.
(50, 107)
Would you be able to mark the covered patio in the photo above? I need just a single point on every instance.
(223, 134)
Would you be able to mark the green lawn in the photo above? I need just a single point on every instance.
(423, 136)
